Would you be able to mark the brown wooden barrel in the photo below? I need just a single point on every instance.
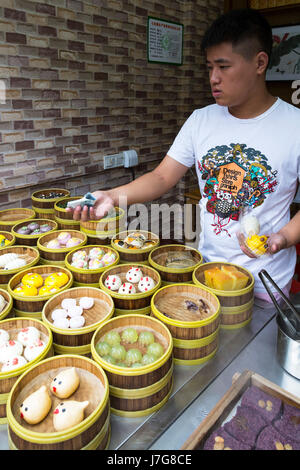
(31, 239)
(8, 379)
(139, 302)
(92, 433)
(160, 258)
(237, 305)
(195, 336)
(44, 207)
(57, 256)
(78, 341)
(136, 255)
(10, 217)
(64, 218)
(32, 306)
(29, 253)
(137, 391)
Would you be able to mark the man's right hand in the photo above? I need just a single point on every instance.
(103, 204)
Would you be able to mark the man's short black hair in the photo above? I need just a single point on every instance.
(246, 29)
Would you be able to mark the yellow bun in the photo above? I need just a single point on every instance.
(61, 279)
(26, 290)
(46, 290)
(56, 279)
(32, 279)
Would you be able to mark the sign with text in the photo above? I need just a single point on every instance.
(165, 41)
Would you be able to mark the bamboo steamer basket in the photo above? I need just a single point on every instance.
(173, 275)
(139, 303)
(88, 277)
(9, 217)
(8, 379)
(100, 232)
(237, 305)
(9, 236)
(32, 306)
(136, 392)
(129, 255)
(78, 341)
(44, 208)
(29, 253)
(63, 217)
(7, 310)
(31, 240)
(57, 256)
(195, 341)
(92, 433)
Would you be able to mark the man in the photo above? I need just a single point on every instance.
(246, 150)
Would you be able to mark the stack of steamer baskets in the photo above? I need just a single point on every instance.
(135, 246)
(64, 218)
(175, 263)
(131, 286)
(18, 330)
(136, 353)
(237, 304)
(88, 262)
(43, 201)
(100, 232)
(60, 403)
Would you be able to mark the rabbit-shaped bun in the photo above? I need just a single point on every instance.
(65, 383)
(36, 406)
(69, 413)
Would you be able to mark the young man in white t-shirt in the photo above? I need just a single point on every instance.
(246, 151)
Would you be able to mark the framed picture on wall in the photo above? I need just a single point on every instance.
(285, 59)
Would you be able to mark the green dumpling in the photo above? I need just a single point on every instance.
(102, 348)
(132, 356)
(109, 359)
(112, 338)
(129, 335)
(146, 338)
(118, 352)
(148, 359)
(156, 349)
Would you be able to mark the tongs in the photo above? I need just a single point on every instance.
(291, 322)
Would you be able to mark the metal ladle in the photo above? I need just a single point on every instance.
(292, 325)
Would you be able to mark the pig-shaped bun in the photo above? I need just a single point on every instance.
(36, 406)
(65, 383)
(69, 413)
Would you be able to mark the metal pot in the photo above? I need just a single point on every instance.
(288, 350)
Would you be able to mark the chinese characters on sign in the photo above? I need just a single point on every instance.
(164, 41)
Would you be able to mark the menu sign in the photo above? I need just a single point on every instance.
(165, 40)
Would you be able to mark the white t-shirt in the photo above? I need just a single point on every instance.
(251, 162)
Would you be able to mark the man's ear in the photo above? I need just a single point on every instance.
(262, 61)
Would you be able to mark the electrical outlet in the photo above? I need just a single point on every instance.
(113, 161)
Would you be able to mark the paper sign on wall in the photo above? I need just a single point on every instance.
(165, 40)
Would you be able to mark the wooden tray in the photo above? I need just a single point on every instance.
(240, 383)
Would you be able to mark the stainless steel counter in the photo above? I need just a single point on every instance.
(197, 389)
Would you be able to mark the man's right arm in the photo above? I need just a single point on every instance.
(146, 188)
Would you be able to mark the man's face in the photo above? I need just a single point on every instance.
(233, 79)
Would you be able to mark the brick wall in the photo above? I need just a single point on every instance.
(78, 87)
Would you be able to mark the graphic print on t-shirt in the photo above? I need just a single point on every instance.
(236, 177)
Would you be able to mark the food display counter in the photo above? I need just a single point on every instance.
(197, 389)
